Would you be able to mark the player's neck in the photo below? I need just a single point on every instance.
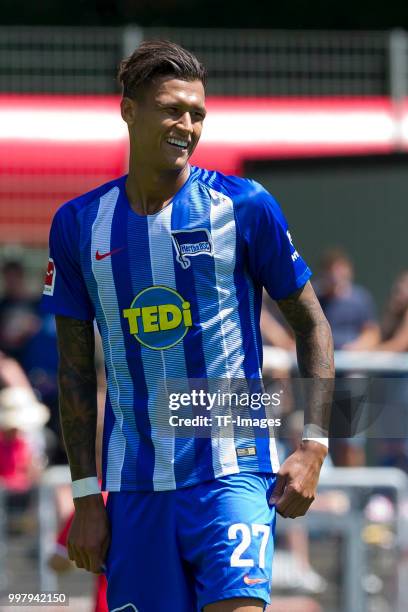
(149, 191)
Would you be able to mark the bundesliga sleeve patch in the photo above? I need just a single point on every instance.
(49, 282)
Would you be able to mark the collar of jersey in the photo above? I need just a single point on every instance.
(192, 175)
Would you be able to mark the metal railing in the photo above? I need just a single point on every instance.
(240, 62)
(382, 362)
(356, 482)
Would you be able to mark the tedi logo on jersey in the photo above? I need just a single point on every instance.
(158, 317)
(190, 243)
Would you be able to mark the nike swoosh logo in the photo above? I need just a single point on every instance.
(251, 581)
(99, 256)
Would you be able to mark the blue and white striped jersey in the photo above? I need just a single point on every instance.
(176, 296)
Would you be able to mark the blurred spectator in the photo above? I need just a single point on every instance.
(22, 456)
(350, 311)
(394, 452)
(19, 318)
(395, 324)
(39, 358)
(11, 374)
(349, 308)
(21, 451)
(29, 336)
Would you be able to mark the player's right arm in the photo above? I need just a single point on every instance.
(89, 535)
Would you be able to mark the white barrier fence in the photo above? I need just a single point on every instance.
(381, 362)
(356, 482)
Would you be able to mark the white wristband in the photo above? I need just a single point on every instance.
(324, 441)
(85, 486)
(316, 434)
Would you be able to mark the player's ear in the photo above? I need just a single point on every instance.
(128, 109)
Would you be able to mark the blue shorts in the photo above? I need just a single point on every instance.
(181, 550)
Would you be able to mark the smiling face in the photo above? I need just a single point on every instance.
(165, 124)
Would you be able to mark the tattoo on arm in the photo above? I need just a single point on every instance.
(314, 347)
(314, 341)
(77, 393)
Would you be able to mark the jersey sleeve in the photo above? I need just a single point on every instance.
(272, 258)
(65, 291)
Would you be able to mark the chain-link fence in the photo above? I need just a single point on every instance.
(240, 62)
(262, 62)
(59, 59)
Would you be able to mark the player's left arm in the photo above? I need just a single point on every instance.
(298, 477)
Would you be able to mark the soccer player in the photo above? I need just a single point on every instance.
(171, 260)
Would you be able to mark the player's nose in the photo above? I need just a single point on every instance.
(185, 123)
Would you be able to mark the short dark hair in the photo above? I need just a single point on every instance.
(12, 265)
(156, 58)
(334, 256)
